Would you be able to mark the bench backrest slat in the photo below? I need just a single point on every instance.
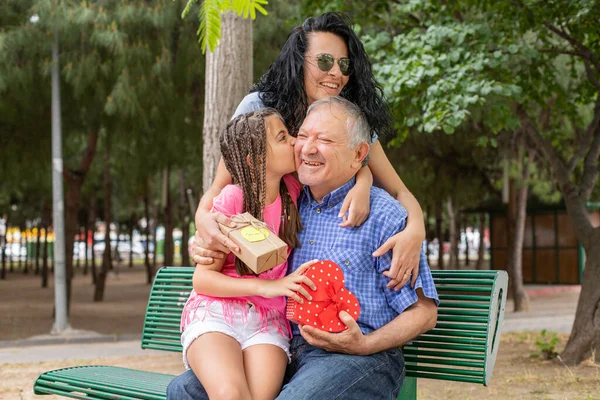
(462, 347)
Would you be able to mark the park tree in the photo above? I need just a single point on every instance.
(529, 66)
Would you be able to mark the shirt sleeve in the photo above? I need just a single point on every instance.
(374, 137)
(230, 201)
(251, 102)
(400, 300)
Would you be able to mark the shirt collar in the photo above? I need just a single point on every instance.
(333, 198)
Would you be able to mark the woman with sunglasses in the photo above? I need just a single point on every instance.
(322, 58)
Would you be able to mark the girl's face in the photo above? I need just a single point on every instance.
(324, 84)
(280, 148)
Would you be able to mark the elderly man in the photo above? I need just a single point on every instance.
(365, 360)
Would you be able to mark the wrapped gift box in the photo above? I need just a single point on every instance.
(328, 300)
(260, 249)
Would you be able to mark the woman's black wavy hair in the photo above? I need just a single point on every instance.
(282, 86)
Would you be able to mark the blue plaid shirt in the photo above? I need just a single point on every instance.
(352, 248)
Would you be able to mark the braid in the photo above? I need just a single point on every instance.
(244, 150)
(291, 223)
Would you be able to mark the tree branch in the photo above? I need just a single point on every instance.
(587, 138)
(86, 159)
(590, 74)
(590, 165)
(563, 51)
(576, 44)
(557, 164)
(90, 151)
(544, 119)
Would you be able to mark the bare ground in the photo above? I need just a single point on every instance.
(27, 310)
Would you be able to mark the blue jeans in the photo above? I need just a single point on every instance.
(316, 374)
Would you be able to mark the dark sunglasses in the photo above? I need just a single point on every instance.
(325, 63)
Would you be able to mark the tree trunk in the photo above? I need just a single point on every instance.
(45, 268)
(228, 78)
(149, 266)
(481, 249)
(11, 256)
(465, 223)
(74, 180)
(38, 239)
(584, 341)
(117, 253)
(517, 215)
(78, 246)
(3, 248)
(168, 247)
(86, 238)
(92, 223)
(454, 233)
(439, 233)
(20, 262)
(107, 258)
(131, 225)
(155, 233)
(183, 218)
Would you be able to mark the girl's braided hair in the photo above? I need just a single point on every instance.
(244, 150)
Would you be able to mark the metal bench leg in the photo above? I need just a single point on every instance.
(409, 389)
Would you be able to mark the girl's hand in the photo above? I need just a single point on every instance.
(357, 205)
(405, 259)
(209, 242)
(289, 286)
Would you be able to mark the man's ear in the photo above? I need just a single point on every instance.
(361, 152)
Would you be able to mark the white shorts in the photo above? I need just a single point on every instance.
(247, 330)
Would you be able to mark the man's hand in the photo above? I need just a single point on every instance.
(350, 341)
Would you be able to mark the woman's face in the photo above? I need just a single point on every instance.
(320, 84)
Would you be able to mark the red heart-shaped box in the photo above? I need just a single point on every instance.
(328, 300)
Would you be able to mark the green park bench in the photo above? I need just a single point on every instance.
(462, 347)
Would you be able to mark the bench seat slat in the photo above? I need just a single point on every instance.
(444, 354)
(466, 281)
(451, 340)
(451, 333)
(465, 289)
(466, 313)
(96, 382)
(455, 378)
(455, 318)
(454, 304)
(450, 371)
(463, 297)
(442, 361)
(462, 327)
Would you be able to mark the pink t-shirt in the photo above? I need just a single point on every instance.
(230, 202)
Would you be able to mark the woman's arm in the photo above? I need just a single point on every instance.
(407, 244)
(357, 201)
(208, 235)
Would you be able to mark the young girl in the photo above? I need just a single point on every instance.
(235, 335)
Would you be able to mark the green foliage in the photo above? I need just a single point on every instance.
(209, 15)
(546, 345)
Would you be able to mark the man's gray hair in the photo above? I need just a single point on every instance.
(357, 126)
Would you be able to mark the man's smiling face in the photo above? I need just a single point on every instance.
(324, 160)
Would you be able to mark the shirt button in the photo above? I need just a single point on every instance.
(347, 262)
(318, 211)
(311, 241)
